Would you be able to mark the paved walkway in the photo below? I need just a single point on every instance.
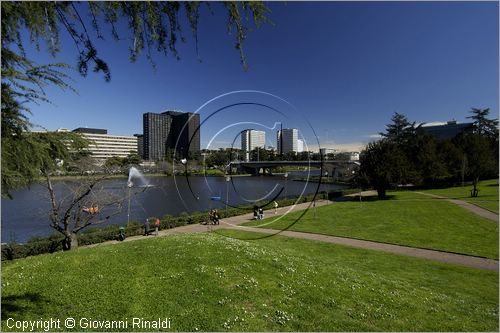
(470, 207)
(235, 221)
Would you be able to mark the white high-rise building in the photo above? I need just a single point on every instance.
(251, 139)
(287, 141)
(300, 146)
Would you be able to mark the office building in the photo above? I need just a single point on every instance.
(103, 145)
(300, 146)
(287, 140)
(250, 140)
(447, 131)
(140, 144)
(170, 131)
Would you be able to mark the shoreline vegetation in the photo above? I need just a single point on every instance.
(155, 174)
(93, 235)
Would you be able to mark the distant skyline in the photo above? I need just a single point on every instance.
(346, 67)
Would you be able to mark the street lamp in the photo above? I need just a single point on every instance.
(286, 182)
(228, 179)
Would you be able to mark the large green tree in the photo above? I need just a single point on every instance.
(150, 27)
(482, 124)
(480, 148)
(400, 130)
(384, 164)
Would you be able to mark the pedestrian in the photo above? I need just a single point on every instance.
(157, 226)
(275, 208)
(261, 213)
(211, 216)
(255, 213)
(146, 227)
(216, 217)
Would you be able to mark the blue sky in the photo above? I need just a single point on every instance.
(344, 67)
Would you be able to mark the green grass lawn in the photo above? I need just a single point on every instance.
(488, 194)
(406, 219)
(208, 282)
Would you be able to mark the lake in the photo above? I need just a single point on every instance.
(26, 215)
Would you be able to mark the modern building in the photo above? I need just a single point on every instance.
(287, 140)
(251, 139)
(103, 145)
(300, 146)
(185, 132)
(447, 131)
(327, 152)
(174, 131)
(140, 144)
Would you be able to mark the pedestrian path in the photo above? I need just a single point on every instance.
(470, 207)
(235, 222)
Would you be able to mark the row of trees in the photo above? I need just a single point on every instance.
(406, 154)
(221, 157)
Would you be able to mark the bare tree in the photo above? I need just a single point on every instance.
(87, 201)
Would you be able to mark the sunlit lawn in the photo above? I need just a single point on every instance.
(208, 282)
(406, 219)
(488, 194)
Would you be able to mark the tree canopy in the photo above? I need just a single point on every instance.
(407, 154)
(149, 27)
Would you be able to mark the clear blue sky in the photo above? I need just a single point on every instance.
(346, 67)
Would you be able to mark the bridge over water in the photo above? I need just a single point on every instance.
(266, 167)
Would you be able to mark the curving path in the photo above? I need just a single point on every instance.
(235, 221)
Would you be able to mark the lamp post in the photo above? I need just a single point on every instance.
(228, 179)
(129, 185)
(354, 174)
(286, 183)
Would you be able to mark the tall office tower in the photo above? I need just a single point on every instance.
(300, 146)
(140, 144)
(184, 132)
(251, 139)
(287, 140)
(171, 130)
(155, 130)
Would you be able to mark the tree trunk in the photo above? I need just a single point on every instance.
(70, 241)
(381, 193)
(475, 191)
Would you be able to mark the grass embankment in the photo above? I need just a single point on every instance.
(487, 199)
(406, 219)
(208, 282)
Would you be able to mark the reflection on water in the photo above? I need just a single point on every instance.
(27, 214)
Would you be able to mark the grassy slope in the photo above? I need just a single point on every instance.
(488, 194)
(406, 219)
(208, 282)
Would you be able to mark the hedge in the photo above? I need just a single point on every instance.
(39, 245)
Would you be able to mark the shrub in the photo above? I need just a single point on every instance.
(39, 245)
(166, 222)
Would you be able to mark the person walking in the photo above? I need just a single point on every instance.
(211, 216)
(146, 227)
(157, 226)
(255, 213)
(216, 217)
(275, 208)
(261, 213)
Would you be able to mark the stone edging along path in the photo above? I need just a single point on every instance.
(235, 221)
